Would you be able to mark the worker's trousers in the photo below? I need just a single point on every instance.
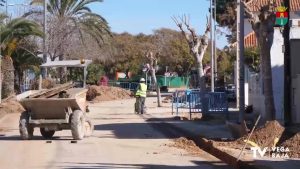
(140, 105)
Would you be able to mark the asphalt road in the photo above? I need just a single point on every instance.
(121, 140)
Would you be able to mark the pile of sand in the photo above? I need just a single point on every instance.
(107, 93)
(188, 145)
(265, 137)
(293, 144)
(11, 105)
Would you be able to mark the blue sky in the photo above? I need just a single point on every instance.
(144, 16)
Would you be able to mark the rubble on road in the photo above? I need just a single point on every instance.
(188, 145)
(107, 93)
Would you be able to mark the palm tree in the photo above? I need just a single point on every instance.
(71, 18)
(12, 33)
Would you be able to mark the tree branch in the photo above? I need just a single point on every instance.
(250, 14)
(179, 24)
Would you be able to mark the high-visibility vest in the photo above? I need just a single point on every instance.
(142, 90)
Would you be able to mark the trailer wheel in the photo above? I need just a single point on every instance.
(77, 125)
(26, 130)
(47, 134)
(89, 127)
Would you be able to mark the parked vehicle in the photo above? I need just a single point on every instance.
(231, 92)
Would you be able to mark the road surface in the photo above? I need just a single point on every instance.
(121, 140)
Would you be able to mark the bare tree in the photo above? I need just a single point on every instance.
(152, 68)
(197, 44)
(263, 26)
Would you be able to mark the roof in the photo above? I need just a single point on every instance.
(255, 5)
(66, 63)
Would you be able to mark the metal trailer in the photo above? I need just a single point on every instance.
(55, 114)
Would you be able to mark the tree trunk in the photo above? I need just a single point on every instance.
(199, 58)
(62, 71)
(201, 76)
(8, 76)
(267, 84)
(265, 42)
(157, 87)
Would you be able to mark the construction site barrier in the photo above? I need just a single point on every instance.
(199, 102)
(181, 100)
(125, 85)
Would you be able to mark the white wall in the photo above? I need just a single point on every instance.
(277, 63)
(256, 98)
(246, 81)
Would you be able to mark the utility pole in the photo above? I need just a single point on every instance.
(215, 39)
(212, 49)
(287, 70)
(1, 4)
(44, 30)
(44, 70)
(240, 61)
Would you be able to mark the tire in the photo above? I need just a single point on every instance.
(77, 125)
(47, 134)
(26, 130)
(89, 127)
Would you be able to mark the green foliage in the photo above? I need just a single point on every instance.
(15, 31)
(226, 17)
(77, 15)
(225, 65)
(127, 52)
(173, 51)
(23, 59)
(95, 71)
(252, 58)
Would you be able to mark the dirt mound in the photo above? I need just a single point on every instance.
(188, 145)
(294, 146)
(107, 93)
(11, 105)
(91, 93)
(265, 136)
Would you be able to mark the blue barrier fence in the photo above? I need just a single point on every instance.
(125, 85)
(181, 100)
(199, 102)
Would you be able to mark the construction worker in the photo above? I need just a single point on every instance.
(140, 97)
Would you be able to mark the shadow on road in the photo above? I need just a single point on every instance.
(197, 165)
(35, 138)
(138, 130)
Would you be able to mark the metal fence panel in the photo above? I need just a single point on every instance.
(199, 102)
(125, 85)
